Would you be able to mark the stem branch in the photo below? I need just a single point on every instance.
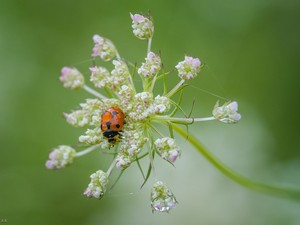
(93, 92)
(183, 120)
(173, 91)
(86, 151)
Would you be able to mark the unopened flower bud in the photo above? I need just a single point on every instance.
(188, 68)
(71, 78)
(162, 199)
(98, 185)
(142, 26)
(151, 66)
(103, 48)
(227, 113)
(60, 157)
(167, 148)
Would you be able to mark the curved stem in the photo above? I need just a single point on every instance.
(93, 92)
(87, 150)
(173, 91)
(112, 165)
(244, 181)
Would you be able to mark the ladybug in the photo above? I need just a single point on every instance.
(112, 123)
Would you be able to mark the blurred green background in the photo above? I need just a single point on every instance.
(251, 50)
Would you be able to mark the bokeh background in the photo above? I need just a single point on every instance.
(251, 50)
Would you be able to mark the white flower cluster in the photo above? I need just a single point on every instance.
(142, 26)
(101, 77)
(161, 104)
(126, 117)
(71, 78)
(167, 148)
(60, 157)
(162, 199)
(92, 136)
(188, 68)
(103, 48)
(227, 113)
(98, 185)
(143, 105)
(89, 114)
(126, 95)
(132, 143)
(151, 66)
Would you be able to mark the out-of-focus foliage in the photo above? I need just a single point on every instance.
(251, 50)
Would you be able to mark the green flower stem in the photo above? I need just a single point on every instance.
(93, 92)
(246, 182)
(182, 120)
(149, 45)
(173, 91)
(112, 165)
(87, 150)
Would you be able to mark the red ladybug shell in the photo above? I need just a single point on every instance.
(112, 123)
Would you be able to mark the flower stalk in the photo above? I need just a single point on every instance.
(246, 182)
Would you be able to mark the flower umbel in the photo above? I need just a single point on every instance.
(103, 48)
(98, 185)
(162, 199)
(60, 157)
(142, 26)
(126, 120)
(167, 148)
(151, 66)
(227, 113)
(188, 68)
(71, 78)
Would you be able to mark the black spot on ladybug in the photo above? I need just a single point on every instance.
(114, 113)
(108, 125)
(118, 125)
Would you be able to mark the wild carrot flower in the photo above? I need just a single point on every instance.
(98, 185)
(162, 199)
(142, 26)
(227, 113)
(151, 66)
(103, 48)
(188, 68)
(71, 78)
(60, 157)
(125, 119)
